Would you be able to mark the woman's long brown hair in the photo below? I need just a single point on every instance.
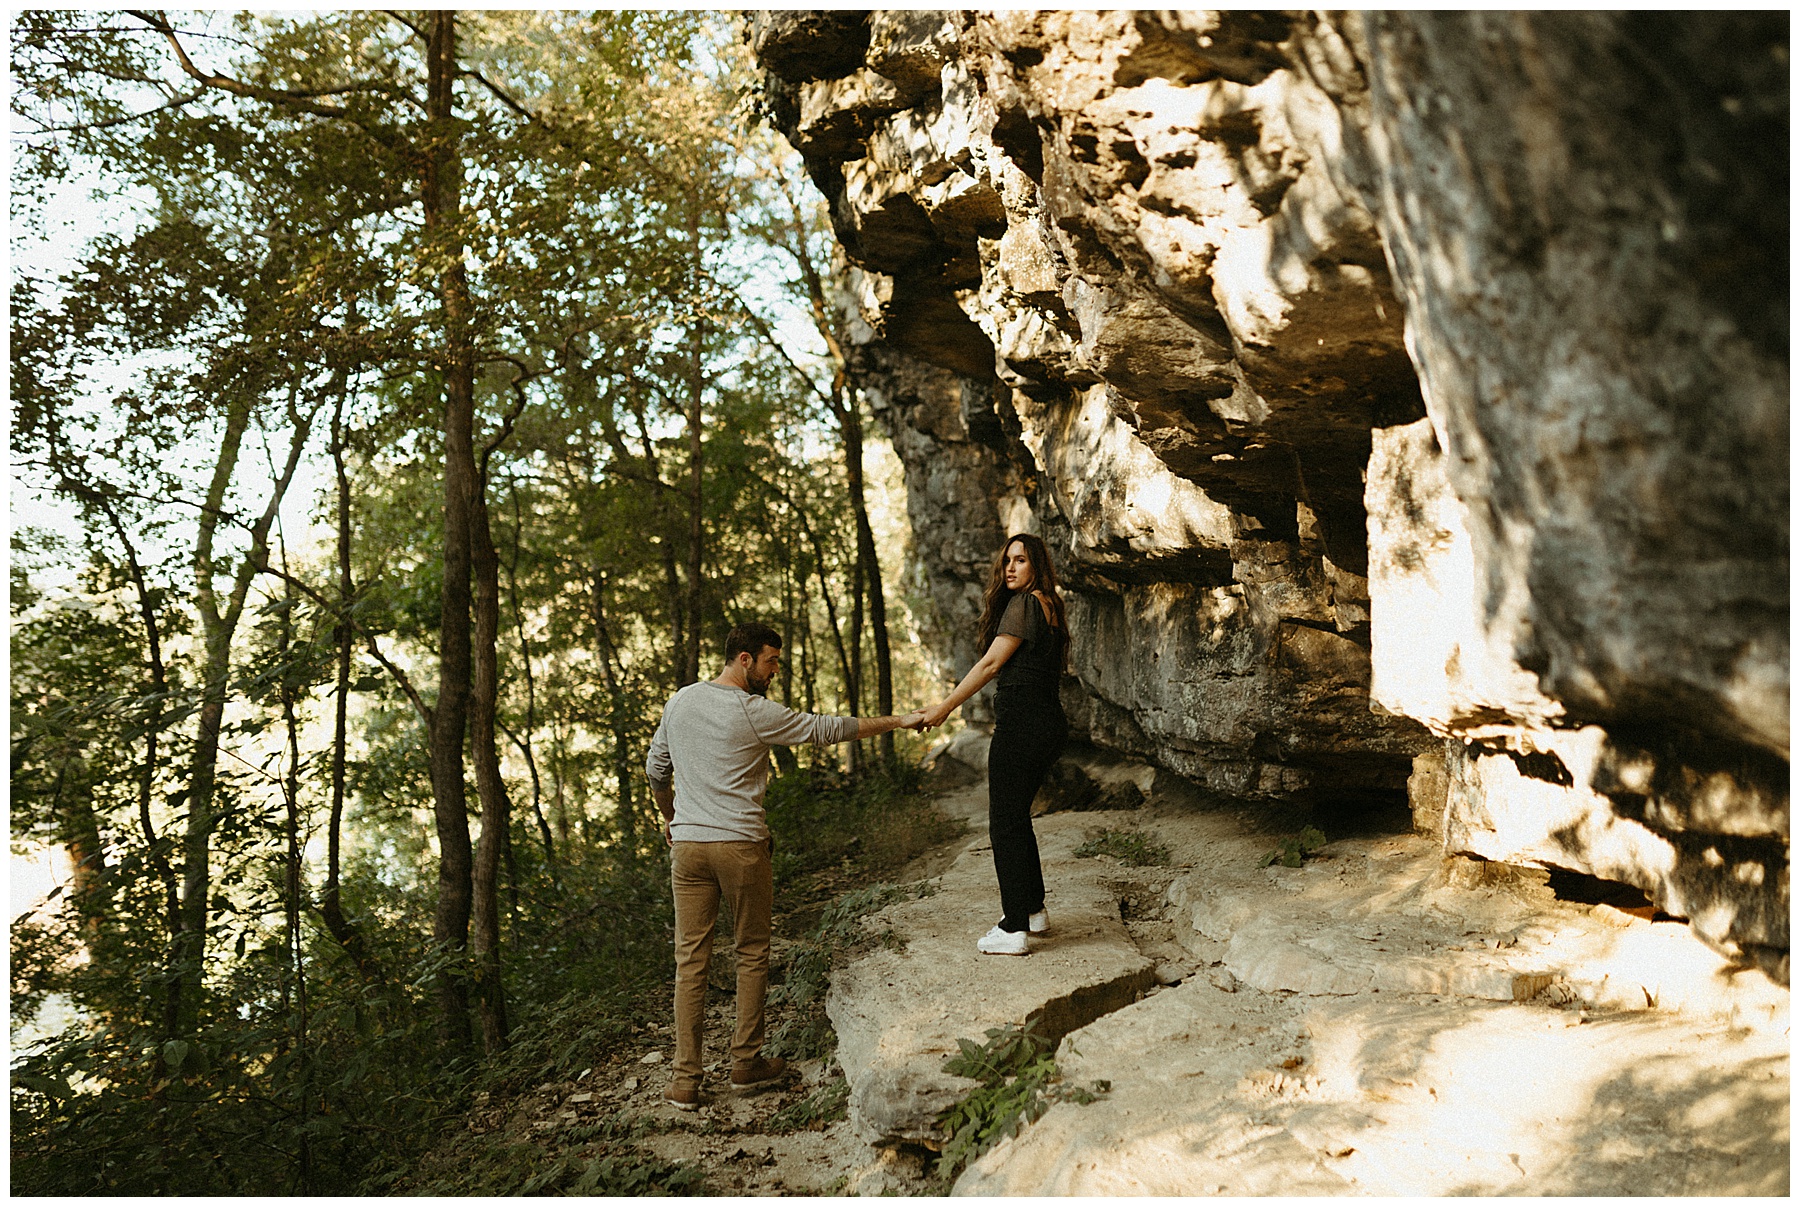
(1043, 578)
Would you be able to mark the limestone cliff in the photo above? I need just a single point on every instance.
(1403, 394)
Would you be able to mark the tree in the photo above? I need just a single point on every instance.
(789, 228)
(456, 278)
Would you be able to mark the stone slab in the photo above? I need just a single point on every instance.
(899, 1010)
(1248, 1093)
(1393, 916)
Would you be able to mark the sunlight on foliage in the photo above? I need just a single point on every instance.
(391, 440)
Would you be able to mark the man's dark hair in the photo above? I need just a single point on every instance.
(749, 639)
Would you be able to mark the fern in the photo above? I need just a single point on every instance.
(1019, 1082)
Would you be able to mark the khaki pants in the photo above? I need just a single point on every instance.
(702, 873)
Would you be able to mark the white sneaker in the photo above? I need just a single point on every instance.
(999, 942)
(1040, 922)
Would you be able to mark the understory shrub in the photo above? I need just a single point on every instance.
(827, 1104)
(804, 1031)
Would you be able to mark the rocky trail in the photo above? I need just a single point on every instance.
(1378, 1020)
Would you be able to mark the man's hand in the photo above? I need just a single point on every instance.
(914, 720)
(664, 796)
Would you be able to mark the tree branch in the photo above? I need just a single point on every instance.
(82, 127)
(300, 100)
(512, 416)
(66, 482)
(768, 334)
(815, 288)
(509, 102)
(399, 675)
(406, 21)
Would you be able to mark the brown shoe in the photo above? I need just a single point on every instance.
(682, 1097)
(757, 1071)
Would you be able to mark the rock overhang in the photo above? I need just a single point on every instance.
(1282, 315)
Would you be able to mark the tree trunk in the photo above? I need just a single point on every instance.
(870, 565)
(218, 627)
(290, 791)
(696, 462)
(784, 755)
(196, 874)
(677, 631)
(845, 407)
(855, 643)
(807, 656)
(159, 692)
(524, 741)
(671, 576)
(787, 622)
(330, 906)
(622, 760)
(559, 795)
(442, 197)
(837, 635)
(496, 806)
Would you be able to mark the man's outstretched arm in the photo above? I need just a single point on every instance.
(778, 725)
(868, 727)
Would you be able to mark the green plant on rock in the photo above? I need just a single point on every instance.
(1019, 1082)
(1295, 848)
(1130, 847)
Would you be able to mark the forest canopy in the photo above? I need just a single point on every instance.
(437, 390)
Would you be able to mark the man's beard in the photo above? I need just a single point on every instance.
(758, 688)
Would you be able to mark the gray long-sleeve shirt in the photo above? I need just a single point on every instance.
(714, 742)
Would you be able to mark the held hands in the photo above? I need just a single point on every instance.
(931, 718)
(921, 719)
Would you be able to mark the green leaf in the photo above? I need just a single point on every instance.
(51, 1087)
(175, 1054)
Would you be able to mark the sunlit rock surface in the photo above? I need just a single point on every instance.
(1404, 396)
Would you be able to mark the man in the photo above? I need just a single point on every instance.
(708, 766)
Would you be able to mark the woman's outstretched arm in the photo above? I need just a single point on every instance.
(979, 676)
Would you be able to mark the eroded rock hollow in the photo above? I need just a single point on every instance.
(1404, 396)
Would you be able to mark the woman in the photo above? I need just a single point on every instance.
(1027, 641)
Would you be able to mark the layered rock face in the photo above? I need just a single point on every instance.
(1404, 397)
